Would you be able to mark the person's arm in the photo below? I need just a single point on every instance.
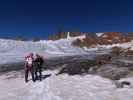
(25, 64)
(42, 61)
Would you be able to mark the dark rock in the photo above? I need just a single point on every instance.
(122, 84)
(112, 71)
(103, 59)
(11, 66)
(78, 67)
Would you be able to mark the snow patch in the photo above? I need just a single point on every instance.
(63, 87)
(99, 34)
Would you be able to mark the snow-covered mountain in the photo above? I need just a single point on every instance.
(62, 87)
(14, 51)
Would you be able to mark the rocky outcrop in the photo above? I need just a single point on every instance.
(86, 42)
(108, 66)
(106, 38)
(122, 84)
(103, 59)
(128, 52)
(111, 38)
(80, 67)
(130, 36)
(112, 71)
(116, 51)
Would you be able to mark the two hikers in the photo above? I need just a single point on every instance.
(33, 66)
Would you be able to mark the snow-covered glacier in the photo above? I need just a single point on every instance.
(14, 51)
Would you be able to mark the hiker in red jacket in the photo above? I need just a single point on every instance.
(29, 67)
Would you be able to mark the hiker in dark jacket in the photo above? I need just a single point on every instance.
(29, 67)
(38, 66)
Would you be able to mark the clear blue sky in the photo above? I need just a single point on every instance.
(44, 17)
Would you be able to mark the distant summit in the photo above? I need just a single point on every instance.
(92, 39)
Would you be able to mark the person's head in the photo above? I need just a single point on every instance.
(37, 55)
(31, 54)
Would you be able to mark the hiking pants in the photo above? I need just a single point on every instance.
(27, 70)
(38, 69)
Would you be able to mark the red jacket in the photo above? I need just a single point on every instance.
(28, 62)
